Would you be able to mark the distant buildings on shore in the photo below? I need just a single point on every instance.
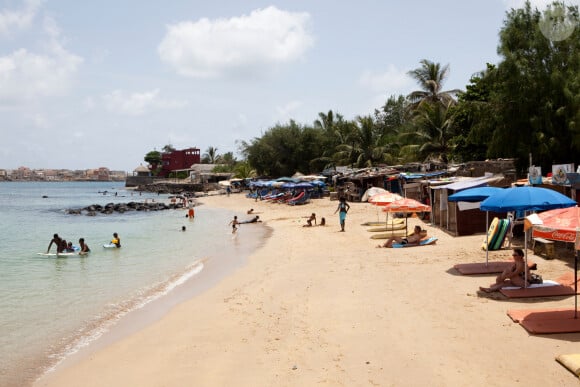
(27, 174)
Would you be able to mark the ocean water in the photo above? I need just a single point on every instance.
(52, 307)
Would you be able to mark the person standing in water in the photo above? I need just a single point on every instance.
(84, 248)
(59, 243)
(234, 223)
(116, 240)
(343, 207)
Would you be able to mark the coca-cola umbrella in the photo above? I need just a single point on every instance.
(406, 206)
(562, 224)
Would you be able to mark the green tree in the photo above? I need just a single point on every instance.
(536, 92)
(430, 77)
(391, 120)
(168, 148)
(244, 170)
(153, 158)
(474, 117)
(433, 128)
(210, 156)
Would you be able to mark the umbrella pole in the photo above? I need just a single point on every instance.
(576, 285)
(486, 238)
(526, 259)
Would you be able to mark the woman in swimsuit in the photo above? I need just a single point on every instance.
(414, 238)
(512, 276)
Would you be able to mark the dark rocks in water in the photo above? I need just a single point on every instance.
(121, 208)
(44, 196)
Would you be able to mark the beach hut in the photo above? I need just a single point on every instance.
(461, 218)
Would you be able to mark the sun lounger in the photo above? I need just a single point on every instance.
(561, 287)
(546, 321)
(423, 242)
(489, 268)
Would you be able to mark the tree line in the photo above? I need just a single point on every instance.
(528, 103)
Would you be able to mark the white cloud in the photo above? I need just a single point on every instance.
(26, 75)
(136, 104)
(18, 20)
(249, 43)
(391, 81)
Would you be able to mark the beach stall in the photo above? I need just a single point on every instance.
(461, 218)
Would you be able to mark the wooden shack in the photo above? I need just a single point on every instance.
(456, 217)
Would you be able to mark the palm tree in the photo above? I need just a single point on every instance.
(430, 77)
(430, 132)
(210, 156)
(243, 170)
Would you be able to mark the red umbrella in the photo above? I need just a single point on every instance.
(407, 205)
(558, 225)
(384, 198)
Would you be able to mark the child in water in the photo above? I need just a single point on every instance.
(116, 240)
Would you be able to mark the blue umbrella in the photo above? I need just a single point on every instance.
(526, 199)
(288, 185)
(476, 194)
(303, 184)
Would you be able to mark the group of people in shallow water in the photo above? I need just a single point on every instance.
(62, 246)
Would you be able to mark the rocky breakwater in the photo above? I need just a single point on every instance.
(121, 208)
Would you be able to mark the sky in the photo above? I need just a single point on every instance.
(100, 84)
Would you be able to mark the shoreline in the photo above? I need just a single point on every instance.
(137, 313)
(317, 306)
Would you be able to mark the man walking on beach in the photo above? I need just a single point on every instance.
(343, 207)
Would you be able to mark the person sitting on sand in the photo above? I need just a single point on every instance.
(515, 275)
(411, 240)
(255, 219)
(322, 221)
(250, 211)
(311, 218)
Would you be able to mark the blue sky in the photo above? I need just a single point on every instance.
(91, 84)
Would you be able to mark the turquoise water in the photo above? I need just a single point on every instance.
(51, 307)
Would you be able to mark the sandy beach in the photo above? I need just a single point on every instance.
(315, 306)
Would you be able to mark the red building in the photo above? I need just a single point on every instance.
(179, 159)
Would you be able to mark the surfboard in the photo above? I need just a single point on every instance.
(110, 246)
(491, 234)
(498, 243)
(391, 222)
(391, 234)
(423, 242)
(387, 228)
(70, 254)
